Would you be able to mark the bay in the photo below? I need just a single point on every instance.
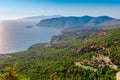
(16, 35)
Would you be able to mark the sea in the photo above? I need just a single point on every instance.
(19, 35)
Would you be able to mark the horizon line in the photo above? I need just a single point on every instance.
(22, 17)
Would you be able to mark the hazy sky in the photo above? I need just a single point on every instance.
(11, 9)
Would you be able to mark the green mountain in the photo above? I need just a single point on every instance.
(74, 34)
(84, 21)
(96, 57)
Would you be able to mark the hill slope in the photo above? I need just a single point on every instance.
(97, 57)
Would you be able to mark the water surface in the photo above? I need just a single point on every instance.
(14, 36)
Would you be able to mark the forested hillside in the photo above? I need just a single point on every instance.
(84, 21)
(75, 34)
(96, 57)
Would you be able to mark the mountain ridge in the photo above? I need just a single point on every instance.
(72, 21)
(40, 17)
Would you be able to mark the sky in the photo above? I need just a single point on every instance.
(13, 9)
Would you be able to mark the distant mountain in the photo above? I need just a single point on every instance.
(72, 21)
(38, 18)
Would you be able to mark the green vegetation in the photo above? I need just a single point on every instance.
(11, 74)
(97, 57)
(81, 22)
(74, 34)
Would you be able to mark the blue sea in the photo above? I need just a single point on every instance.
(16, 36)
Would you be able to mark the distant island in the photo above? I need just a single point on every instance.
(28, 26)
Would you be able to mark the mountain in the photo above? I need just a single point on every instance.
(38, 18)
(32, 21)
(96, 57)
(73, 34)
(71, 21)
